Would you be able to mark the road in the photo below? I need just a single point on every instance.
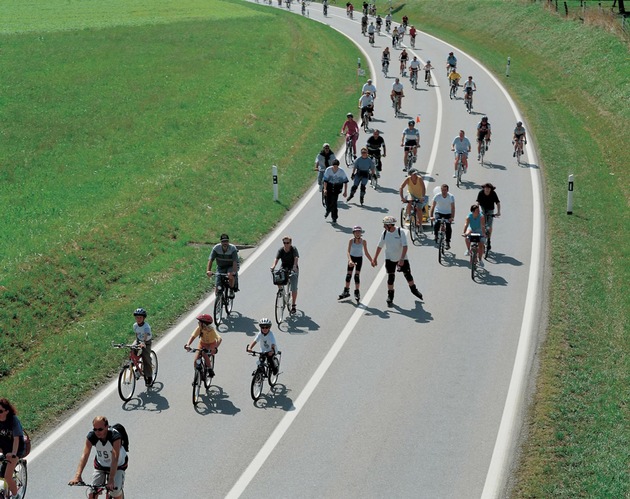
(372, 401)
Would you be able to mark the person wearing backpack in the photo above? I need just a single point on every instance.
(395, 242)
(111, 445)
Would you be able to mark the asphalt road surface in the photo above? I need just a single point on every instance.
(372, 401)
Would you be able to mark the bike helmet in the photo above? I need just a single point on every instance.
(519, 123)
(389, 220)
(413, 171)
(349, 115)
(428, 62)
(140, 311)
(205, 318)
(484, 118)
(450, 53)
(264, 322)
(411, 122)
(357, 228)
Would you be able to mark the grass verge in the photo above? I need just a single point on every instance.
(126, 151)
(571, 81)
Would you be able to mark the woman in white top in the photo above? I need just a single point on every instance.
(357, 246)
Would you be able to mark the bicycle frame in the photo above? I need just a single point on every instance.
(20, 477)
(222, 300)
(460, 168)
(283, 299)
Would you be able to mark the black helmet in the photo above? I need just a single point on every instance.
(140, 311)
(411, 122)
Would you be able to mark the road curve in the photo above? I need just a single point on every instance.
(406, 401)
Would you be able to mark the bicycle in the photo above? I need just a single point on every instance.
(453, 91)
(427, 78)
(413, 42)
(411, 158)
(468, 100)
(93, 490)
(348, 155)
(283, 296)
(518, 150)
(460, 168)
(441, 237)
(374, 180)
(482, 153)
(201, 375)
(385, 66)
(388, 26)
(474, 249)
(371, 38)
(224, 298)
(264, 370)
(416, 230)
(20, 477)
(396, 106)
(413, 79)
(132, 370)
(365, 120)
(325, 10)
(488, 217)
(303, 9)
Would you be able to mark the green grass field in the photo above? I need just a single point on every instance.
(125, 151)
(571, 81)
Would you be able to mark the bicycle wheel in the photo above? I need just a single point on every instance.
(473, 262)
(218, 308)
(20, 475)
(257, 385)
(366, 122)
(459, 174)
(154, 366)
(486, 248)
(373, 180)
(271, 377)
(412, 225)
(196, 387)
(348, 155)
(323, 198)
(402, 217)
(280, 307)
(126, 383)
(207, 380)
(440, 246)
(452, 93)
(229, 305)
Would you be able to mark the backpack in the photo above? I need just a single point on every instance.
(123, 434)
(385, 232)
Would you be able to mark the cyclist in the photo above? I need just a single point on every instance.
(451, 63)
(357, 246)
(366, 105)
(379, 23)
(111, 458)
(288, 257)
(268, 344)
(394, 37)
(325, 6)
(454, 78)
(350, 129)
(414, 66)
(412, 35)
(374, 144)
(410, 140)
(397, 90)
(469, 87)
(388, 22)
(401, 33)
(361, 169)
(226, 255)
(405, 20)
(416, 191)
(209, 340)
(323, 160)
(372, 9)
(144, 339)
(369, 86)
(427, 70)
(365, 8)
(475, 224)
(443, 208)
(364, 24)
(488, 199)
(461, 145)
(12, 442)
(385, 57)
(349, 9)
(484, 130)
(371, 30)
(519, 138)
(395, 241)
(334, 179)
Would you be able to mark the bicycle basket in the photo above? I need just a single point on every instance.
(475, 238)
(280, 277)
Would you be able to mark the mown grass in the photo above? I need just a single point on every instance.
(571, 81)
(125, 151)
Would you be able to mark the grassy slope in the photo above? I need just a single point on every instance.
(121, 147)
(572, 83)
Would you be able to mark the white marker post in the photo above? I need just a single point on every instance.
(507, 68)
(570, 196)
(274, 176)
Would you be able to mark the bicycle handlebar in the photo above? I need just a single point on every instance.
(123, 345)
(191, 350)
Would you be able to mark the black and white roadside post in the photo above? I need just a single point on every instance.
(274, 176)
(570, 196)
(507, 68)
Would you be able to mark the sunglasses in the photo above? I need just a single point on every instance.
(3, 411)
(265, 327)
(286, 242)
(99, 429)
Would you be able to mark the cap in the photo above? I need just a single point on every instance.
(225, 237)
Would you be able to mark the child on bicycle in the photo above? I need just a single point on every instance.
(209, 340)
(143, 340)
(268, 344)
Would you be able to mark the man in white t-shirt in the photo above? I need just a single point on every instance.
(461, 145)
(395, 241)
(443, 208)
(369, 87)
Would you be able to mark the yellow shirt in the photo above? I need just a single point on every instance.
(207, 334)
(417, 189)
(454, 76)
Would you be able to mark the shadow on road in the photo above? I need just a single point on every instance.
(149, 400)
(276, 398)
(216, 401)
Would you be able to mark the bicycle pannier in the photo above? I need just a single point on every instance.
(280, 277)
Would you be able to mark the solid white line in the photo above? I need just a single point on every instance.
(496, 478)
(265, 451)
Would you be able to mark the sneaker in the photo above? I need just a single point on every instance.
(480, 263)
(293, 309)
(343, 295)
(454, 175)
(334, 221)
(357, 295)
(514, 154)
(448, 245)
(390, 302)
(478, 157)
(467, 253)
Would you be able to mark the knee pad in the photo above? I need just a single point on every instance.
(349, 276)
(357, 279)
(391, 278)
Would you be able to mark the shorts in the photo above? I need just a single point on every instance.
(410, 143)
(99, 479)
(392, 266)
(293, 278)
(481, 136)
(358, 263)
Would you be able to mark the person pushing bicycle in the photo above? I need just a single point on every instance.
(268, 344)
(144, 339)
(209, 340)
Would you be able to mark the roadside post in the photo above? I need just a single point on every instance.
(570, 196)
(274, 176)
(507, 68)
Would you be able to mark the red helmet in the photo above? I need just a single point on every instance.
(205, 318)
